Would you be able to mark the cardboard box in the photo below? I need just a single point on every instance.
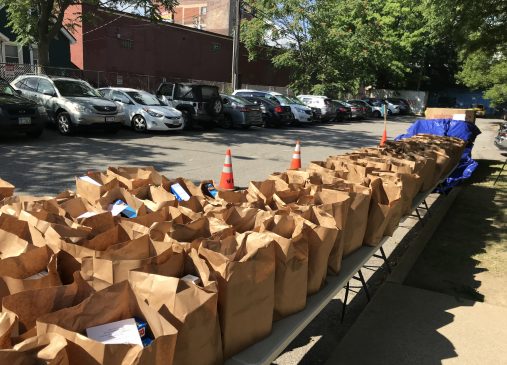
(450, 113)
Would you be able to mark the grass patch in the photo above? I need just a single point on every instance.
(470, 244)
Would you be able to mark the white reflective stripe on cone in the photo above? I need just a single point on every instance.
(296, 156)
(298, 147)
(227, 170)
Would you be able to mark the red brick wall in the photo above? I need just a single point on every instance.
(167, 50)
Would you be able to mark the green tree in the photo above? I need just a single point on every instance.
(39, 21)
(339, 46)
(479, 29)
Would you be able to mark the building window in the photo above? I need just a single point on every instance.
(127, 43)
(11, 53)
(35, 55)
(204, 10)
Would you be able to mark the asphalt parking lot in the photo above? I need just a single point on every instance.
(48, 165)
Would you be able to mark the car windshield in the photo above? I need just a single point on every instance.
(295, 100)
(6, 89)
(238, 99)
(284, 100)
(143, 98)
(76, 88)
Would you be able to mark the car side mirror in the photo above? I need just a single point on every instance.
(18, 92)
(49, 93)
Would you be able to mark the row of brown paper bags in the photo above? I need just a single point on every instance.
(229, 325)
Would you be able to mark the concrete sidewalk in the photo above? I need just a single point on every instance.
(445, 330)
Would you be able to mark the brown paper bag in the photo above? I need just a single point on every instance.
(242, 219)
(135, 177)
(291, 270)
(190, 234)
(122, 194)
(93, 192)
(336, 203)
(112, 304)
(245, 269)
(8, 329)
(33, 269)
(16, 234)
(385, 209)
(113, 265)
(189, 307)
(6, 189)
(48, 349)
(31, 304)
(321, 233)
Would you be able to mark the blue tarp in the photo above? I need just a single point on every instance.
(451, 128)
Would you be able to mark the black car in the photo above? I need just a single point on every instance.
(18, 114)
(199, 104)
(273, 113)
(343, 112)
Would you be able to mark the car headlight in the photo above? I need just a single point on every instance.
(41, 110)
(81, 108)
(300, 110)
(153, 113)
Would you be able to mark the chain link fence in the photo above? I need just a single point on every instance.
(99, 79)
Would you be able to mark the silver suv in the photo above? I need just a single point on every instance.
(70, 103)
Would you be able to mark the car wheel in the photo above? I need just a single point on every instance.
(187, 120)
(245, 127)
(34, 134)
(64, 124)
(377, 114)
(139, 123)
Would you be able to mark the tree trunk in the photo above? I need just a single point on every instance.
(43, 48)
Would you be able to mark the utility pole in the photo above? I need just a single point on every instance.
(235, 46)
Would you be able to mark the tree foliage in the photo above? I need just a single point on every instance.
(39, 21)
(336, 46)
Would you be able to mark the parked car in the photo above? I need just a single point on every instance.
(357, 111)
(143, 111)
(199, 104)
(302, 113)
(402, 104)
(377, 108)
(391, 108)
(366, 108)
(273, 114)
(500, 111)
(342, 111)
(18, 114)
(240, 112)
(323, 103)
(70, 103)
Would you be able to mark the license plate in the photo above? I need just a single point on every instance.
(25, 120)
(109, 119)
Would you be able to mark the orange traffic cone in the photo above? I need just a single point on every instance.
(384, 138)
(296, 157)
(227, 178)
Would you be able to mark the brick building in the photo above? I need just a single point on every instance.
(126, 44)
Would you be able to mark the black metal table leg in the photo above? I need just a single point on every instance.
(383, 254)
(363, 282)
(344, 305)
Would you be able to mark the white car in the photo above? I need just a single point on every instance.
(322, 102)
(301, 112)
(143, 111)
